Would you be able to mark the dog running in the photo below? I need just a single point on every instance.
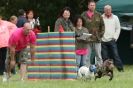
(105, 70)
(85, 72)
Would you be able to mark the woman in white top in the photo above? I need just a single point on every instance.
(30, 18)
(35, 23)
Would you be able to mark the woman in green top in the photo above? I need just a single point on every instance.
(81, 43)
(64, 21)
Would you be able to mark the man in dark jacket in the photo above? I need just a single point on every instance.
(22, 18)
(95, 25)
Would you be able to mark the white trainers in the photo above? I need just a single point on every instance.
(22, 80)
(5, 77)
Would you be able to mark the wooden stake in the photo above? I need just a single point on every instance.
(48, 28)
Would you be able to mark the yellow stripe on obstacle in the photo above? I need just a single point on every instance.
(38, 66)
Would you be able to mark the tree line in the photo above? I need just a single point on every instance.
(46, 10)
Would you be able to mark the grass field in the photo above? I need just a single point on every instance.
(121, 80)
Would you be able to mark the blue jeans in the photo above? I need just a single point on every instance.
(81, 60)
(109, 51)
(94, 55)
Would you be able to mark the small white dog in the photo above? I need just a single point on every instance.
(86, 72)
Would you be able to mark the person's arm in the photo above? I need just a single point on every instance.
(71, 26)
(12, 53)
(102, 27)
(57, 24)
(32, 51)
(12, 57)
(32, 45)
(117, 28)
(12, 50)
(12, 46)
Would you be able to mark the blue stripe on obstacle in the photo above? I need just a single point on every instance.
(63, 76)
(42, 62)
(42, 49)
(62, 62)
(34, 76)
(43, 56)
(58, 62)
(62, 55)
(42, 42)
(61, 69)
(39, 76)
(54, 34)
(45, 76)
(70, 34)
(62, 41)
(51, 69)
(63, 48)
(40, 69)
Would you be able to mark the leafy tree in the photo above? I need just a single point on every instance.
(47, 10)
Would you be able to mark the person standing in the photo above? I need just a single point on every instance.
(81, 44)
(21, 18)
(112, 32)
(95, 25)
(18, 43)
(6, 29)
(13, 19)
(64, 22)
(35, 23)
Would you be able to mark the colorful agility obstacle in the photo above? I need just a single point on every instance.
(55, 57)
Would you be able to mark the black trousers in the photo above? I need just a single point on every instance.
(109, 51)
(3, 52)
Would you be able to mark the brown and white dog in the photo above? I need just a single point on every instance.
(105, 69)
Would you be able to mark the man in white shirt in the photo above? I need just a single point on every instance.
(112, 32)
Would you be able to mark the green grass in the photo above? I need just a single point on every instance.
(121, 80)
